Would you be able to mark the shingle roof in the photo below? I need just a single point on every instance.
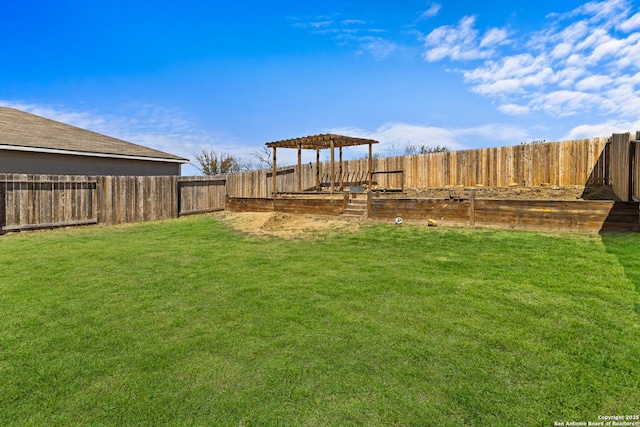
(26, 131)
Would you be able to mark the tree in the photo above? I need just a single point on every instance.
(211, 162)
(410, 149)
(533, 141)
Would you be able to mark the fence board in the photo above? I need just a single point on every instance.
(619, 161)
(636, 170)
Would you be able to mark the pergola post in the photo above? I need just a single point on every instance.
(370, 166)
(273, 176)
(317, 169)
(299, 168)
(333, 167)
(340, 170)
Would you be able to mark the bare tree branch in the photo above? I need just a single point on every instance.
(211, 162)
(264, 158)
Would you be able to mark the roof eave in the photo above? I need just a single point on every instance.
(9, 147)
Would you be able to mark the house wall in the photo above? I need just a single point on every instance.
(62, 164)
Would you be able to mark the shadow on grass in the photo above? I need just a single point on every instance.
(626, 248)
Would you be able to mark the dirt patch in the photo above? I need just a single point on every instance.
(287, 226)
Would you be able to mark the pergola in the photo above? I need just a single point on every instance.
(320, 142)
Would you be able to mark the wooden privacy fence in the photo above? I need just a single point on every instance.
(123, 199)
(47, 201)
(580, 162)
(136, 198)
(199, 194)
(28, 202)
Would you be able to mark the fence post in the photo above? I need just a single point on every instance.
(3, 205)
(103, 200)
(472, 208)
(632, 161)
(174, 200)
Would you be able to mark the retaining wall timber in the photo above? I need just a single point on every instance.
(540, 215)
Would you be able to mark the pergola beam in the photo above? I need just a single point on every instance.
(321, 142)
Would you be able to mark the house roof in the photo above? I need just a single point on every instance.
(320, 142)
(21, 131)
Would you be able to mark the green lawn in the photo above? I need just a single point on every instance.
(184, 322)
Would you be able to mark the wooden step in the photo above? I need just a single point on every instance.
(355, 209)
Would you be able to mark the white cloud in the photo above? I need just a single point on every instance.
(514, 109)
(571, 35)
(563, 103)
(433, 10)
(512, 75)
(353, 22)
(630, 24)
(607, 10)
(499, 87)
(316, 24)
(494, 37)
(600, 129)
(629, 54)
(354, 33)
(378, 47)
(584, 60)
(507, 134)
(461, 42)
(594, 82)
(562, 50)
(567, 77)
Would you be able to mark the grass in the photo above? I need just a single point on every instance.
(184, 322)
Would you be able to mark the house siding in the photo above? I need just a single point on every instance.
(62, 164)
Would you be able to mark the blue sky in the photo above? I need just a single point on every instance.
(232, 76)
